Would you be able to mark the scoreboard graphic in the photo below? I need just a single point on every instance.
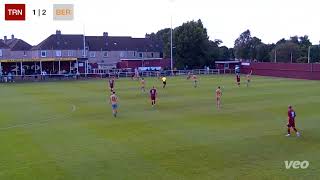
(17, 12)
(63, 12)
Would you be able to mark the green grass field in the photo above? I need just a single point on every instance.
(65, 130)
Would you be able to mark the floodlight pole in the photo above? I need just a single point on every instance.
(21, 67)
(35, 67)
(171, 62)
(59, 68)
(16, 68)
(309, 50)
(40, 67)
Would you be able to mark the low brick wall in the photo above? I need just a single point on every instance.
(287, 70)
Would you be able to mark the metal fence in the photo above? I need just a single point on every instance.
(120, 73)
(110, 73)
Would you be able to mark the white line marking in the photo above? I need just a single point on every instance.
(74, 108)
(27, 124)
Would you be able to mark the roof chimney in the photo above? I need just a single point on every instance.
(105, 34)
(58, 32)
(5, 39)
(12, 36)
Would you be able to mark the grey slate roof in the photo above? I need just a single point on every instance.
(61, 42)
(16, 44)
(3, 45)
(98, 43)
(19, 45)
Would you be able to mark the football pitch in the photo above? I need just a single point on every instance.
(65, 130)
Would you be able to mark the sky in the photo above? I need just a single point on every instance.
(269, 20)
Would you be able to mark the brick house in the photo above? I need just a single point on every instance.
(11, 50)
(107, 51)
(102, 52)
(62, 53)
(19, 49)
(4, 50)
(59, 46)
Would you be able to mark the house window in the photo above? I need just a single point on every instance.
(92, 54)
(122, 54)
(140, 55)
(152, 55)
(58, 53)
(0, 52)
(70, 53)
(43, 53)
(24, 53)
(106, 54)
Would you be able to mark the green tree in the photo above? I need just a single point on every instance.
(304, 44)
(283, 40)
(191, 45)
(315, 53)
(293, 50)
(224, 53)
(294, 39)
(213, 49)
(263, 52)
(163, 37)
(231, 53)
(242, 45)
(286, 52)
(245, 46)
(253, 47)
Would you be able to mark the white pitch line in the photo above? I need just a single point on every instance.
(74, 108)
(26, 124)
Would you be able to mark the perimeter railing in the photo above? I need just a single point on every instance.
(110, 73)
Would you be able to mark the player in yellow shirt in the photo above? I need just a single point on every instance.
(164, 81)
(218, 98)
(249, 78)
(195, 80)
(189, 75)
(114, 103)
(143, 84)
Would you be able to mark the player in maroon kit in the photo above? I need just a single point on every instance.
(291, 121)
(153, 96)
(238, 80)
(111, 84)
